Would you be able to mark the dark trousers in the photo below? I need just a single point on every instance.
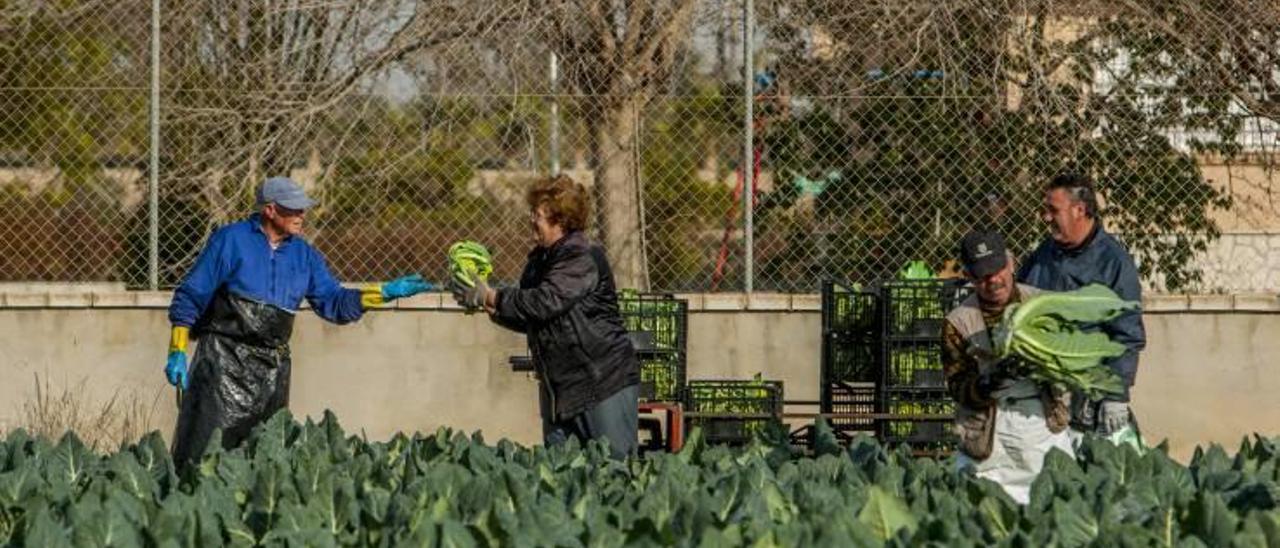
(615, 419)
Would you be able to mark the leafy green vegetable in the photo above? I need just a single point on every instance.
(468, 261)
(1050, 332)
(886, 513)
(311, 484)
(916, 270)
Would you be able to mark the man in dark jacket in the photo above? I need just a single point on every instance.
(1079, 252)
(238, 302)
(567, 306)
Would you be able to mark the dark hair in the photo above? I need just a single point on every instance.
(567, 201)
(1080, 188)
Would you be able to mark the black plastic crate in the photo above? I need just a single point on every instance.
(916, 308)
(915, 364)
(743, 409)
(850, 335)
(662, 377)
(851, 398)
(934, 430)
(849, 312)
(658, 326)
(657, 322)
(845, 360)
(845, 398)
(802, 437)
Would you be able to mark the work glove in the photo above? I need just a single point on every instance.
(1113, 416)
(175, 368)
(987, 385)
(470, 297)
(405, 286)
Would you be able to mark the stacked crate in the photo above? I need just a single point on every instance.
(658, 326)
(850, 355)
(659, 329)
(912, 384)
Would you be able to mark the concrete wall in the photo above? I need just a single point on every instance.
(1209, 377)
(1208, 374)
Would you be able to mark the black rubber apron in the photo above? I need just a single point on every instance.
(239, 374)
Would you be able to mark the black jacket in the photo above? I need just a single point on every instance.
(1102, 260)
(568, 307)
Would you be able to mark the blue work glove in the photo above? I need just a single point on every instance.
(175, 368)
(405, 286)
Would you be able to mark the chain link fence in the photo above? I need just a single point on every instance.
(879, 132)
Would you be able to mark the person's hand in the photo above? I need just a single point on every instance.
(471, 297)
(405, 286)
(1113, 416)
(376, 295)
(1003, 370)
(175, 367)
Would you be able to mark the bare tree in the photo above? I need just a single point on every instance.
(618, 55)
(247, 83)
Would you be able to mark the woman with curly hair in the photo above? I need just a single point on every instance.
(567, 306)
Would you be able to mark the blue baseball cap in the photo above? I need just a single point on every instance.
(285, 192)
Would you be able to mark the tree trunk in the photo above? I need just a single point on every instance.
(616, 188)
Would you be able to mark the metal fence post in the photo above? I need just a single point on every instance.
(748, 141)
(555, 114)
(153, 176)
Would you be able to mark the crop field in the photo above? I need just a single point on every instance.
(312, 484)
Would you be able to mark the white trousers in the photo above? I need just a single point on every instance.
(1021, 442)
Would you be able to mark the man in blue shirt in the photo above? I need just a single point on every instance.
(239, 301)
(1079, 252)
